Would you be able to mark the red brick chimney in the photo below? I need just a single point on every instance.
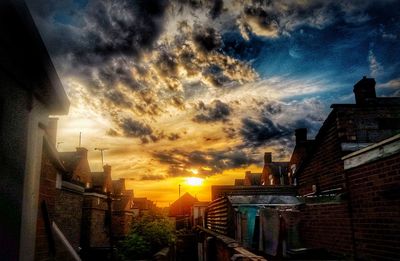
(267, 157)
(364, 90)
(52, 130)
(301, 135)
(107, 178)
(82, 152)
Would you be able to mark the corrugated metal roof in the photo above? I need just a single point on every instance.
(267, 200)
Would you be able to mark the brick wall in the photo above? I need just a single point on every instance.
(344, 124)
(68, 215)
(325, 167)
(375, 200)
(47, 193)
(326, 226)
(366, 224)
(122, 222)
(94, 227)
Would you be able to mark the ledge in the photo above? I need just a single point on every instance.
(371, 153)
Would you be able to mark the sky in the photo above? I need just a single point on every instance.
(188, 88)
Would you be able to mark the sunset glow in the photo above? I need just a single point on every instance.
(194, 181)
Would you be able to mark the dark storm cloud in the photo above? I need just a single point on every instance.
(206, 39)
(207, 162)
(277, 122)
(135, 128)
(109, 28)
(215, 74)
(216, 8)
(167, 63)
(273, 108)
(117, 71)
(276, 18)
(258, 132)
(125, 27)
(216, 111)
(118, 99)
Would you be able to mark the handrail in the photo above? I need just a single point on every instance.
(65, 242)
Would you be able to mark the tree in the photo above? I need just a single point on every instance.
(149, 234)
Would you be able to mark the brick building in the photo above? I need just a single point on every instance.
(88, 208)
(123, 213)
(141, 206)
(274, 173)
(345, 211)
(347, 128)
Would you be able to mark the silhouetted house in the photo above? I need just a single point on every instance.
(30, 91)
(332, 217)
(101, 181)
(274, 173)
(182, 206)
(301, 151)
(122, 209)
(199, 213)
(252, 179)
(77, 165)
(141, 206)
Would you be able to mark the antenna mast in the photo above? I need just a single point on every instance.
(102, 154)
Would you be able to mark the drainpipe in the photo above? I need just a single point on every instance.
(351, 214)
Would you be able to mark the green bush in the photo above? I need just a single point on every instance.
(149, 234)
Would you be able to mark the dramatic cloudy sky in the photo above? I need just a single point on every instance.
(197, 88)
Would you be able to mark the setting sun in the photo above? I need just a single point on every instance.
(193, 181)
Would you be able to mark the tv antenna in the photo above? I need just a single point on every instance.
(102, 154)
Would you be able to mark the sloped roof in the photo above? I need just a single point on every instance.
(182, 205)
(70, 160)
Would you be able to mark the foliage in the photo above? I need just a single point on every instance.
(149, 234)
